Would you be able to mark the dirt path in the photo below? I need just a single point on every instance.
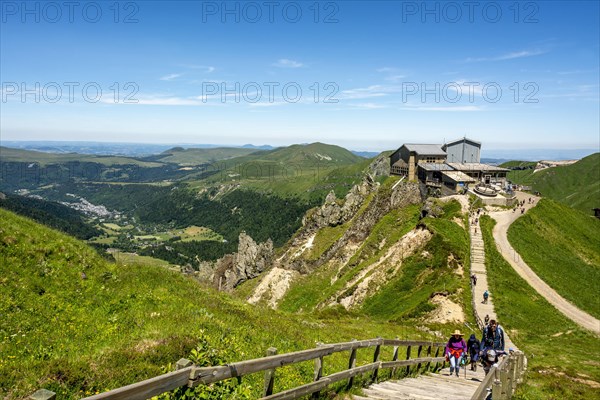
(504, 219)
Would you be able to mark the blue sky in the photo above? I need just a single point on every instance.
(387, 72)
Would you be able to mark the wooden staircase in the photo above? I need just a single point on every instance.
(432, 386)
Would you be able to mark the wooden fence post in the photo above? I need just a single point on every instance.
(269, 375)
(182, 363)
(408, 358)
(419, 356)
(437, 363)
(513, 376)
(428, 355)
(375, 359)
(503, 383)
(395, 357)
(496, 386)
(352, 364)
(318, 371)
(43, 394)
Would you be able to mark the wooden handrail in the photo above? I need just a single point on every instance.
(502, 378)
(192, 376)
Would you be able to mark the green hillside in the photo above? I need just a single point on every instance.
(577, 185)
(320, 153)
(19, 155)
(201, 156)
(399, 299)
(515, 164)
(50, 213)
(78, 335)
(562, 357)
(561, 245)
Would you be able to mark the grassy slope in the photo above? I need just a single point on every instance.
(290, 173)
(517, 163)
(18, 155)
(400, 298)
(577, 185)
(126, 323)
(561, 245)
(202, 156)
(559, 353)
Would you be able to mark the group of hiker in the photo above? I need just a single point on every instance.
(487, 351)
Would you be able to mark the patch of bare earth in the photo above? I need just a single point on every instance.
(273, 286)
(588, 382)
(146, 345)
(446, 311)
(371, 278)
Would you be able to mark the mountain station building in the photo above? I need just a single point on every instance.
(451, 167)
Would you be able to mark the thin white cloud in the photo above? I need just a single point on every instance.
(507, 56)
(445, 109)
(170, 77)
(577, 72)
(368, 92)
(164, 100)
(207, 68)
(395, 78)
(369, 106)
(268, 104)
(286, 63)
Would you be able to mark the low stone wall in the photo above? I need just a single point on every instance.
(498, 200)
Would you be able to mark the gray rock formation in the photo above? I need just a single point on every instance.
(380, 166)
(331, 213)
(250, 260)
(431, 208)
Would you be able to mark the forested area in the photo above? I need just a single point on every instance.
(52, 214)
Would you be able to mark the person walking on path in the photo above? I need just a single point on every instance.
(455, 348)
(486, 295)
(474, 346)
(493, 337)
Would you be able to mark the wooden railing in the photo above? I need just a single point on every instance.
(503, 378)
(188, 375)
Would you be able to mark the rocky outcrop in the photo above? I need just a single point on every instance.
(335, 212)
(384, 200)
(329, 214)
(250, 260)
(380, 166)
(432, 208)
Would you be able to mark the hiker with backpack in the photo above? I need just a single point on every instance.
(456, 348)
(493, 337)
(486, 295)
(474, 346)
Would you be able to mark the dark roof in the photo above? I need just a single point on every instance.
(464, 139)
(426, 149)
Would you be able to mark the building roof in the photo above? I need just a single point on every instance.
(435, 166)
(476, 167)
(400, 163)
(426, 149)
(463, 139)
(458, 176)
